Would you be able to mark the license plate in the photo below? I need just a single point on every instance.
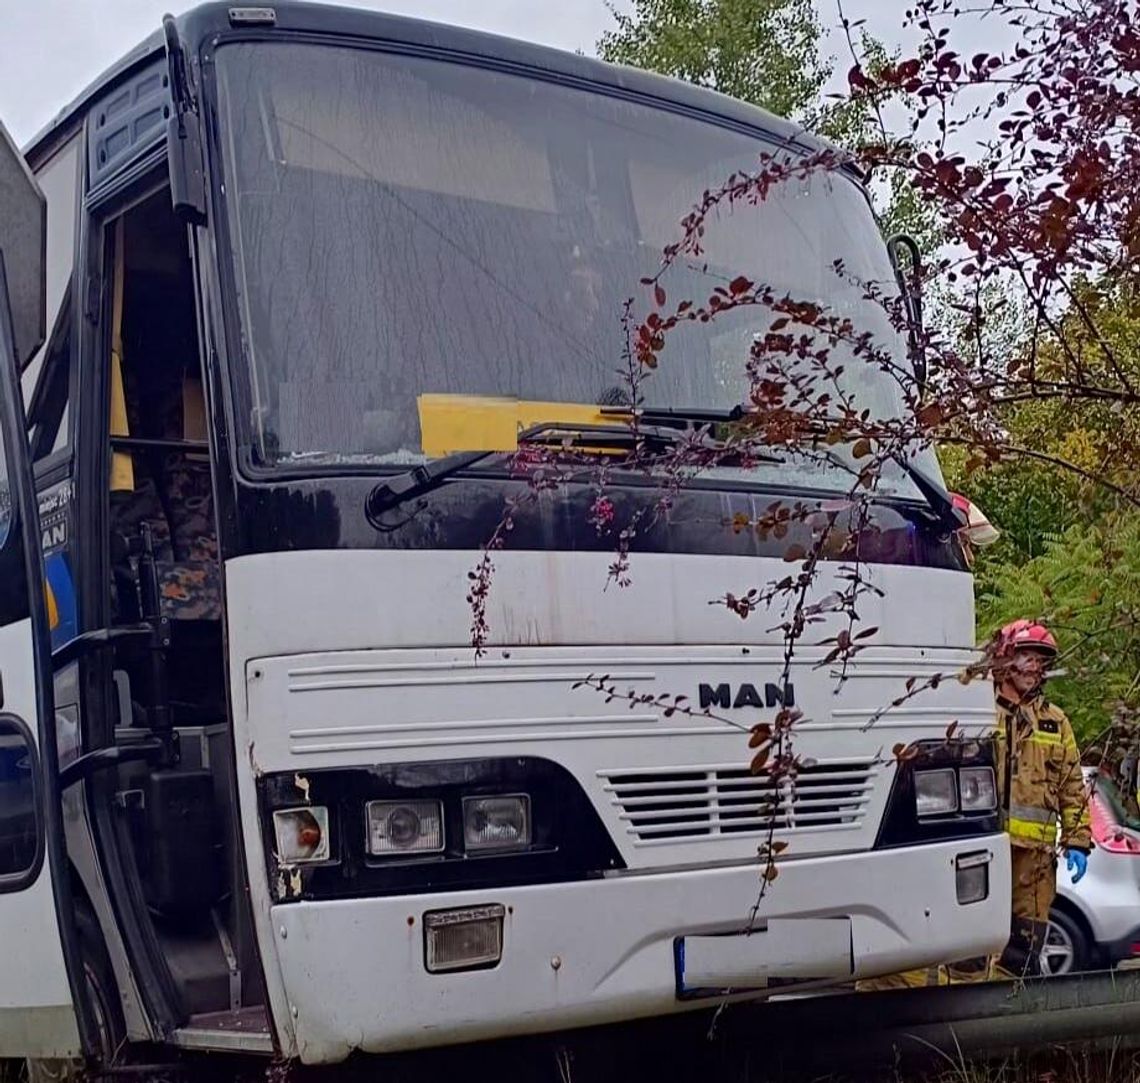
(788, 949)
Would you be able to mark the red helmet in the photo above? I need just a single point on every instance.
(1027, 634)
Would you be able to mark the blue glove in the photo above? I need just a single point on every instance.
(1078, 860)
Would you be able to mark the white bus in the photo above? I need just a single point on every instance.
(256, 791)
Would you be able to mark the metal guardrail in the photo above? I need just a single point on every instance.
(806, 1037)
(835, 1035)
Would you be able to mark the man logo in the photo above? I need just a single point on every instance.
(746, 695)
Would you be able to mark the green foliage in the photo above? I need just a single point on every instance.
(906, 212)
(1057, 453)
(1026, 500)
(1085, 584)
(760, 51)
(1070, 551)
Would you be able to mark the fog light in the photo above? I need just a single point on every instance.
(979, 791)
(463, 939)
(496, 823)
(404, 827)
(302, 834)
(972, 877)
(935, 792)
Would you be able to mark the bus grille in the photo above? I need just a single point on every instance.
(686, 802)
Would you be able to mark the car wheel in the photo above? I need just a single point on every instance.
(1066, 949)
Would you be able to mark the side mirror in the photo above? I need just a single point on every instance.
(183, 142)
(910, 285)
(23, 242)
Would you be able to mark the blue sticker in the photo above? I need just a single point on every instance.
(58, 573)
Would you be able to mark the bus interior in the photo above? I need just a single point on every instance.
(176, 820)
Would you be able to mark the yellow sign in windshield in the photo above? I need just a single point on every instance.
(450, 423)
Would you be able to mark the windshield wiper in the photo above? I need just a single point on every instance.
(586, 434)
(420, 479)
(688, 417)
(677, 416)
(940, 501)
(427, 476)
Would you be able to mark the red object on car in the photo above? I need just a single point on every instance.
(1107, 832)
(978, 530)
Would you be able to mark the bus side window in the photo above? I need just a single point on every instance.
(156, 361)
(19, 812)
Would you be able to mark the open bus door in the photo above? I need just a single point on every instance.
(37, 1010)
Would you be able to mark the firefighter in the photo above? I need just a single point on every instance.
(1038, 769)
(1039, 779)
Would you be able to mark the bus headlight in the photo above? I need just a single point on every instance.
(935, 792)
(496, 823)
(302, 834)
(978, 788)
(404, 827)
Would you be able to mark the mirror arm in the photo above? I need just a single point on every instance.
(911, 287)
(183, 134)
(88, 643)
(85, 766)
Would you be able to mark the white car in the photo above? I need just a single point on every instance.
(1095, 924)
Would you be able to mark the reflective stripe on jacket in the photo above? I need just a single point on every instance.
(1042, 781)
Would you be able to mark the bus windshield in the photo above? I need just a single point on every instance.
(406, 227)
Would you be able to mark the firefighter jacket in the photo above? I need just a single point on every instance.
(1039, 777)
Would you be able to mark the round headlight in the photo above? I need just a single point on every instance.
(403, 827)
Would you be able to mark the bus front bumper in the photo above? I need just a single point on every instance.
(354, 972)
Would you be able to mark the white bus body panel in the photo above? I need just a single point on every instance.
(354, 973)
(351, 658)
(37, 1018)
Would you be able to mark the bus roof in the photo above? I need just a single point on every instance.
(204, 22)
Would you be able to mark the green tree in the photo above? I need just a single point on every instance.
(761, 51)
(1066, 461)
(1085, 585)
(1070, 551)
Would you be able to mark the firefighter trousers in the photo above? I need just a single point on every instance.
(1034, 886)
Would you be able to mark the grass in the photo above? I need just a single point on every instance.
(1078, 1064)
(1056, 1065)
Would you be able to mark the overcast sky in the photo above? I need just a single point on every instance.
(51, 49)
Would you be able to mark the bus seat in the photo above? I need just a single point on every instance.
(130, 509)
(190, 586)
(142, 504)
(190, 590)
(190, 506)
